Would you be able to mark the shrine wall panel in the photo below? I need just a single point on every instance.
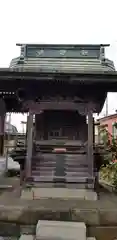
(61, 124)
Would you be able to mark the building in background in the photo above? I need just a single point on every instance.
(11, 135)
(10, 129)
(109, 123)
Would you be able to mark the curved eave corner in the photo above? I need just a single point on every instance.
(14, 62)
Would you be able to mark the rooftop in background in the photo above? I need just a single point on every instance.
(108, 117)
(62, 58)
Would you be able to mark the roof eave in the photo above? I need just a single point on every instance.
(62, 45)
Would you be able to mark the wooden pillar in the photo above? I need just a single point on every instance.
(29, 144)
(90, 143)
(93, 130)
(2, 123)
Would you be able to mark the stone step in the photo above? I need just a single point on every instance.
(91, 238)
(60, 230)
(27, 237)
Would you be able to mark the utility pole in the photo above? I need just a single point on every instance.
(107, 105)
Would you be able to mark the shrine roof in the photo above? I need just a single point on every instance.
(62, 58)
(39, 84)
(62, 65)
(40, 68)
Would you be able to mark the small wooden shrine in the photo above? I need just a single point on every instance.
(61, 87)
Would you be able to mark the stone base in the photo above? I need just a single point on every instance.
(27, 237)
(32, 237)
(27, 194)
(62, 193)
(91, 238)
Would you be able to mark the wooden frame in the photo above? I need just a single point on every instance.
(85, 109)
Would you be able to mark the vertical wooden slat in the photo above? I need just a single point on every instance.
(29, 144)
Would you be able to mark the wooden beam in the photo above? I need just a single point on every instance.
(37, 107)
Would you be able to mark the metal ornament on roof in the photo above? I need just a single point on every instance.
(84, 52)
(62, 52)
(39, 53)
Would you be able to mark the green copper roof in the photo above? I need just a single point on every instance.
(62, 58)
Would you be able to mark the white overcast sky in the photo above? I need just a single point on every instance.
(57, 21)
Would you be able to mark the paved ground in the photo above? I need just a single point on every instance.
(12, 181)
(10, 165)
(100, 216)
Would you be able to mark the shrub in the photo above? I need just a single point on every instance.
(109, 167)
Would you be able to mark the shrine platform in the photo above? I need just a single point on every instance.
(58, 193)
